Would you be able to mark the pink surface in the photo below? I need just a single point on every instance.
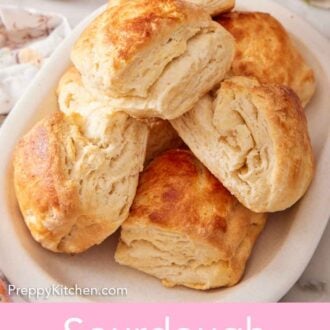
(165, 317)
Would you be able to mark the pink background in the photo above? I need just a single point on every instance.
(137, 316)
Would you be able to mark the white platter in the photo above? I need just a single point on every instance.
(281, 254)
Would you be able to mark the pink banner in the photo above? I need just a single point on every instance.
(165, 317)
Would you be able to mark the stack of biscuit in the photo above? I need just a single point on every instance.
(183, 129)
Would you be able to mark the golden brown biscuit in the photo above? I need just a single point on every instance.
(145, 55)
(265, 51)
(74, 192)
(185, 228)
(253, 137)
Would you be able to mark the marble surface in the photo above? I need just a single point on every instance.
(314, 285)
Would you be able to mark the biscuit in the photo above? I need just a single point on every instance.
(145, 55)
(253, 137)
(185, 228)
(74, 192)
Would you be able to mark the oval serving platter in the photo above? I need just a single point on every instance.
(280, 256)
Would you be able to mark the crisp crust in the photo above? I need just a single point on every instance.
(41, 184)
(264, 50)
(254, 138)
(179, 197)
(178, 193)
(134, 24)
(38, 175)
